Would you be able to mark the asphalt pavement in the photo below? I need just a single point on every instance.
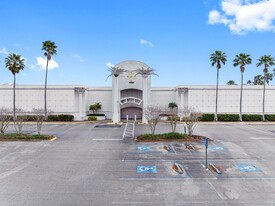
(90, 165)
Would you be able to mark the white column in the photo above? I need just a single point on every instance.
(182, 100)
(80, 105)
(116, 116)
(144, 98)
(177, 97)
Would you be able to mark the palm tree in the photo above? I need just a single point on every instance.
(145, 72)
(231, 82)
(14, 63)
(241, 60)
(249, 82)
(267, 61)
(116, 71)
(217, 58)
(172, 105)
(50, 49)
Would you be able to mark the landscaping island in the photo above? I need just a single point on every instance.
(172, 136)
(25, 137)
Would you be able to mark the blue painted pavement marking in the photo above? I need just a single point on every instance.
(247, 168)
(144, 148)
(146, 169)
(215, 148)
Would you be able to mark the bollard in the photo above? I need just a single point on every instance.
(206, 146)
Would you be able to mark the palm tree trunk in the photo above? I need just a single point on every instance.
(45, 92)
(241, 97)
(217, 88)
(14, 82)
(264, 98)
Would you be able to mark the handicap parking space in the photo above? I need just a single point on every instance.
(187, 147)
(151, 148)
(164, 170)
(242, 169)
(191, 157)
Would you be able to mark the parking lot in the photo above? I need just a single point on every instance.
(90, 165)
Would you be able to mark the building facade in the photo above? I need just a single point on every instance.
(131, 93)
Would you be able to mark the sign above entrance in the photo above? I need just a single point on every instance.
(130, 100)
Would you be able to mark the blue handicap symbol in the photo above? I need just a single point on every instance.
(247, 168)
(144, 148)
(216, 148)
(146, 169)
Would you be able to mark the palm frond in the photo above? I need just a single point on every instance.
(15, 63)
(116, 71)
(218, 57)
(145, 71)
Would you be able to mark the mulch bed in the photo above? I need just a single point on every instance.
(193, 138)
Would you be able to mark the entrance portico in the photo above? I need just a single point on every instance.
(131, 91)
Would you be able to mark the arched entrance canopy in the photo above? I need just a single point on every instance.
(130, 100)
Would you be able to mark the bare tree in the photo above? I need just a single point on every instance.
(5, 118)
(191, 119)
(20, 119)
(39, 117)
(152, 115)
(173, 117)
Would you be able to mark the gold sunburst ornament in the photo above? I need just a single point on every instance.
(131, 77)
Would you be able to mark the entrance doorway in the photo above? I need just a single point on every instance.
(131, 112)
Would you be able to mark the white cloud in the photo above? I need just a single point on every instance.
(242, 16)
(41, 62)
(109, 64)
(144, 42)
(4, 51)
(78, 58)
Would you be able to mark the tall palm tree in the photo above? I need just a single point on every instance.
(267, 61)
(14, 63)
(217, 58)
(50, 49)
(241, 60)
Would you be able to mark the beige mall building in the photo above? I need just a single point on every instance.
(131, 93)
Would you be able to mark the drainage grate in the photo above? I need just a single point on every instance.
(107, 126)
(247, 168)
(146, 169)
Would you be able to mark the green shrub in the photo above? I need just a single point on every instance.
(53, 118)
(252, 117)
(97, 115)
(30, 117)
(15, 136)
(65, 117)
(270, 117)
(173, 118)
(174, 135)
(207, 117)
(92, 118)
(164, 115)
(61, 117)
(228, 117)
(165, 136)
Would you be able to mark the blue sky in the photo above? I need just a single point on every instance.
(175, 37)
